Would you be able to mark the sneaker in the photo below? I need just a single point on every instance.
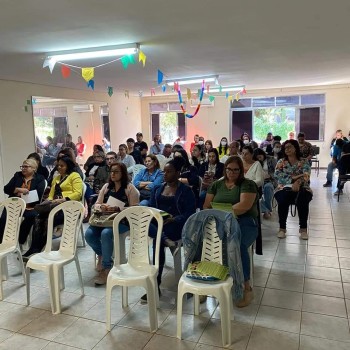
(143, 299)
(247, 298)
(303, 233)
(327, 184)
(340, 192)
(282, 233)
(101, 279)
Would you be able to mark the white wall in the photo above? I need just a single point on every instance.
(213, 123)
(17, 129)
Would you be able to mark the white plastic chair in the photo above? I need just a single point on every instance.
(162, 161)
(212, 251)
(52, 262)
(14, 211)
(138, 271)
(81, 225)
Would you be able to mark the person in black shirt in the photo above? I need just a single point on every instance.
(141, 145)
(134, 152)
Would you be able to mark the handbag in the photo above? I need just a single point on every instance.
(45, 207)
(102, 219)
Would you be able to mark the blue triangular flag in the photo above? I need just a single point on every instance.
(160, 77)
(91, 84)
(163, 87)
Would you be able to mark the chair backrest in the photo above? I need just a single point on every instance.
(162, 161)
(83, 195)
(15, 207)
(316, 150)
(345, 163)
(136, 169)
(73, 213)
(212, 244)
(139, 219)
(42, 197)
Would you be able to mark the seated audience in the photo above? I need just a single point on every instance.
(80, 146)
(268, 164)
(207, 146)
(242, 193)
(141, 145)
(68, 143)
(134, 152)
(148, 178)
(21, 183)
(40, 169)
(100, 239)
(198, 156)
(157, 147)
(90, 160)
(233, 151)
(269, 148)
(167, 150)
(97, 173)
(111, 157)
(195, 142)
(306, 149)
(292, 174)
(67, 186)
(52, 150)
(127, 159)
(178, 201)
(223, 147)
(210, 171)
(268, 141)
(252, 168)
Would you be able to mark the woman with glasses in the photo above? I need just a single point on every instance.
(40, 169)
(100, 239)
(148, 178)
(242, 193)
(20, 185)
(293, 187)
(66, 186)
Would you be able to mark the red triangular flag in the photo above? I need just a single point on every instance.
(176, 86)
(65, 71)
(244, 91)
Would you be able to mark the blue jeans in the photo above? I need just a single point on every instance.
(100, 239)
(266, 200)
(249, 232)
(331, 166)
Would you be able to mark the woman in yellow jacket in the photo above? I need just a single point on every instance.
(66, 186)
(223, 148)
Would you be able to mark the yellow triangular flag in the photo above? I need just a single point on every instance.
(88, 73)
(230, 98)
(237, 97)
(189, 94)
(142, 57)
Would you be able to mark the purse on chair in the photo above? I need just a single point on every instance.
(102, 219)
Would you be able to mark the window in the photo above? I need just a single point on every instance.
(279, 115)
(168, 121)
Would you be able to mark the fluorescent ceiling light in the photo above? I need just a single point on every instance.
(227, 88)
(94, 52)
(193, 80)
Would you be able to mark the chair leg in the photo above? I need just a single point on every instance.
(28, 285)
(225, 311)
(4, 269)
(55, 290)
(20, 260)
(196, 304)
(1, 271)
(77, 264)
(179, 314)
(61, 278)
(178, 266)
(109, 288)
(152, 304)
(82, 237)
(125, 296)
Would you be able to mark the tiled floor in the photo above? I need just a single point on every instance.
(302, 298)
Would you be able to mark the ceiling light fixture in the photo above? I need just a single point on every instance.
(93, 52)
(193, 80)
(227, 88)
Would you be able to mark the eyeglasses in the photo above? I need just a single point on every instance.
(24, 167)
(114, 171)
(233, 170)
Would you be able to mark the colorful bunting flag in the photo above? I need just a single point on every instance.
(199, 92)
(211, 98)
(126, 60)
(153, 92)
(88, 73)
(226, 95)
(220, 88)
(189, 93)
(237, 96)
(142, 57)
(110, 91)
(164, 87)
(244, 91)
(49, 63)
(140, 93)
(208, 89)
(230, 98)
(176, 86)
(91, 84)
(160, 77)
(126, 93)
(65, 71)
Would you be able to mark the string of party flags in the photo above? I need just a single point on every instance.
(88, 74)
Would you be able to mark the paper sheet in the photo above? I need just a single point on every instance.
(31, 197)
(114, 202)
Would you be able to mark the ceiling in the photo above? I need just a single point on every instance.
(262, 44)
